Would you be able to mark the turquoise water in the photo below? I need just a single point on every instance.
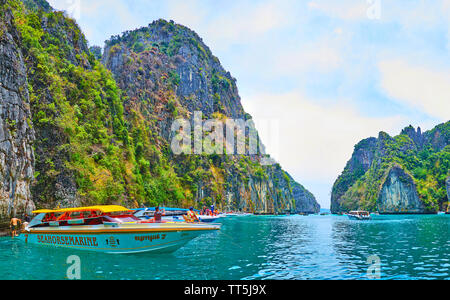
(261, 247)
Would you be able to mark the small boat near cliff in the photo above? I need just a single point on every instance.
(359, 215)
(109, 229)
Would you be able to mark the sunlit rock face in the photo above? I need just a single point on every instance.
(399, 194)
(357, 166)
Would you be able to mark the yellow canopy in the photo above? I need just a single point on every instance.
(102, 208)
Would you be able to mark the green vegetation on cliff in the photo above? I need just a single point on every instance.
(423, 157)
(78, 115)
(102, 127)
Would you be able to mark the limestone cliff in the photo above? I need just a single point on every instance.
(356, 167)
(401, 174)
(399, 194)
(168, 73)
(16, 133)
(74, 133)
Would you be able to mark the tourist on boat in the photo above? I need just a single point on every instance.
(14, 224)
(158, 214)
(26, 220)
(50, 217)
(191, 216)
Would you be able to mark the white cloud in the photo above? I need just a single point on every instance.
(188, 13)
(413, 84)
(245, 23)
(322, 57)
(315, 141)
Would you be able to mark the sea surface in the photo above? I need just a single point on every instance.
(264, 247)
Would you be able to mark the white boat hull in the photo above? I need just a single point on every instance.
(359, 218)
(159, 237)
(208, 219)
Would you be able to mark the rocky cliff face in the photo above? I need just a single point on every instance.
(72, 134)
(307, 203)
(202, 84)
(44, 67)
(16, 133)
(399, 194)
(356, 167)
(401, 174)
(169, 73)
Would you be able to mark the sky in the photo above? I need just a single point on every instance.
(328, 73)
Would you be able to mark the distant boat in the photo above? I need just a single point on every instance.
(359, 215)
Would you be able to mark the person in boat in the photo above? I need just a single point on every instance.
(191, 216)
(212, 210)
(14, 225)
(93, 214)
(26, 221)
(26, 218)
(158, 214)
(49, 218)
(203, 212)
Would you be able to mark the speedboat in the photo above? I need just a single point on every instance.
(108, 229)
(359, 215)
